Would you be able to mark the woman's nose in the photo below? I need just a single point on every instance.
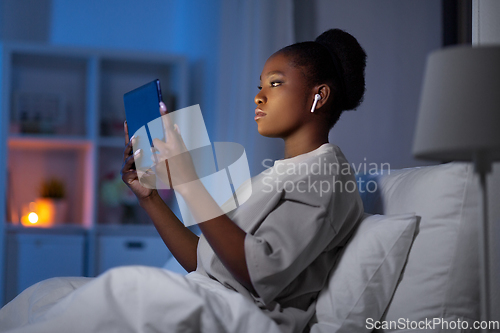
(259, 98)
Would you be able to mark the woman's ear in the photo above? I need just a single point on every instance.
(324, 91)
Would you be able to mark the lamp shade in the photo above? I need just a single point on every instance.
(459, 112)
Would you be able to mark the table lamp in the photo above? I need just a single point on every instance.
(459, 120)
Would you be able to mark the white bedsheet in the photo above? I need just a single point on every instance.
(133, 299)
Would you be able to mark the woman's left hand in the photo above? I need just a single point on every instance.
(174, 160)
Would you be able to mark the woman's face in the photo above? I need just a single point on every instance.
(284, 98)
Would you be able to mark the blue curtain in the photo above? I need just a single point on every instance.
(251, 31)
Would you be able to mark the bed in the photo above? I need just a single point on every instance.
(412, 259)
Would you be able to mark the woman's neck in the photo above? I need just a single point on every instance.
(295, 146)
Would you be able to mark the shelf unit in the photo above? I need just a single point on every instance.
(62, 116)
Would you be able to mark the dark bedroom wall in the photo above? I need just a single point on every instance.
(397, 36)
(25, 20)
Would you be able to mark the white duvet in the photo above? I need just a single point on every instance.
(133, 299)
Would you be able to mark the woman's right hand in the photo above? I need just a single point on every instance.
(129, 172)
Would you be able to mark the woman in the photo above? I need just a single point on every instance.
(276, 249)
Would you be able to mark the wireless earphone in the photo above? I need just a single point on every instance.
(317, 97)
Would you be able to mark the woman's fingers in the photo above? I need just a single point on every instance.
(167, 122)
(129, 162)
(163, 108)
(128, 148)
(125, 127)
(130, 176)
(159, 145)
(127, 151)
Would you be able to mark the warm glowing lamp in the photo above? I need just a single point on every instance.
(46, 211)
(32, 218)
(38, 214)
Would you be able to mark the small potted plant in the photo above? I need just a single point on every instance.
(52, 204)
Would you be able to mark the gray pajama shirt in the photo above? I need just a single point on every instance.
(301, 212)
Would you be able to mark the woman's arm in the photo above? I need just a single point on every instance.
(181, 242)
(225, 237)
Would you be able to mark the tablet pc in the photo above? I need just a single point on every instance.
(142, 105)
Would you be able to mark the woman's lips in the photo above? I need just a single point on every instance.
(259, 114)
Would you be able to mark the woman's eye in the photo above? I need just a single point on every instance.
(276, 83)
(259, 87)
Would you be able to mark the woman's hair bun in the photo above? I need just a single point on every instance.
(352, 58)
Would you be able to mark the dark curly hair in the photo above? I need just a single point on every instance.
(318, 61)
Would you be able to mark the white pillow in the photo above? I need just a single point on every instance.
(441, 275)
(363, 281)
